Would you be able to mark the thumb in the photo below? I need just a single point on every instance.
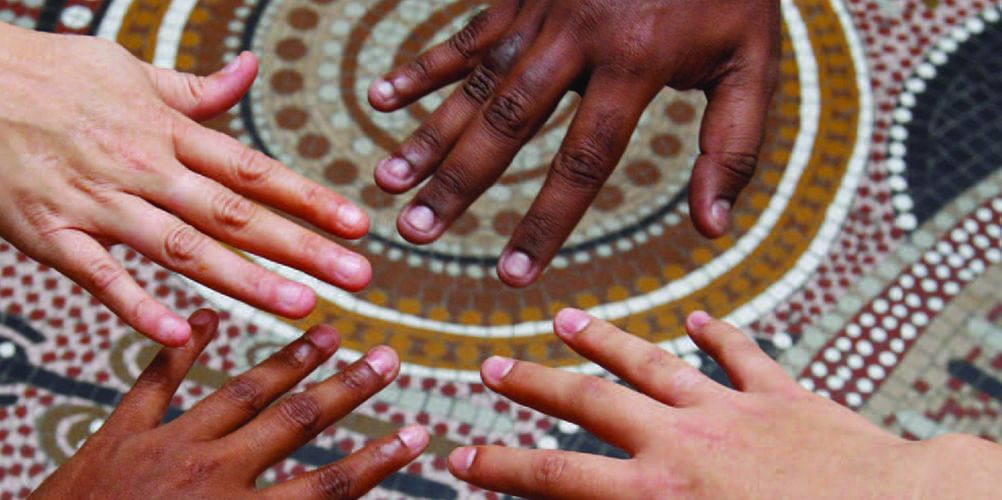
(204, 97)
(729, 142)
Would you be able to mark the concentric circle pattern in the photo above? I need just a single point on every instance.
(864, 256)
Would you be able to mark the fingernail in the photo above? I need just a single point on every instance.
(398, 168)
(497, 368)
(347, 266)
(200, 318)
(323, 336)
(413, 437)
(571, 322)
(698, 319)
(384, 89)
(461, 459)
(174, 330)
(721, 212)
(350, 215)
(382, 360)
(517, 265)
(421, 218)
(233, 65)
(290, 295)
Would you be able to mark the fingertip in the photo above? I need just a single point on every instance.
(172, 331)
(394, 175)
(295, 300)
(204, 320)
(570, 322)
(351, 272)
(418, 225)
(324, 337)
(414, 437)
(461, 459)
(517, 269)
(352, 221)
(382, 95)
(495, 369)
(697, 320)
(384, 361)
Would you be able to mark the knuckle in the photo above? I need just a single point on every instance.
(741, 166)
(420, 69)
(102, 273)
(154, 377)
(41, 217)
(465, 41)
(590, 389)
(507, 114)
(537, 229)
(300, 411)
(313, 195)
(657, 359)
(233, 211)
(452, 181)
(195, 87)
(357, 379)
(333, 482)
(480, 84)
(243, 393)
(580, 166)
(183, 243)
(550, 470)
(429, 138)
(252, 166)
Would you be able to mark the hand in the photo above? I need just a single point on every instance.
(691, 437)
(520, 57)
(99, 148)
(219, 447)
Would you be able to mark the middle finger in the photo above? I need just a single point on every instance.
(518, 108)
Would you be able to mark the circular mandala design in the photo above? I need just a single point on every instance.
(635, 259)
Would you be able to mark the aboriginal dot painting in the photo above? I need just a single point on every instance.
(864, 256)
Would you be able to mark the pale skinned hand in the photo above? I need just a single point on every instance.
(98, 148)
(690, 437)
(218, 448)
(520, 57)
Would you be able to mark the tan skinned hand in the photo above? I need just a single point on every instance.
(520, 57)
(690, 437)
(99, 148)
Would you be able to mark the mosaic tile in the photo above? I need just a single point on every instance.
(865, 256)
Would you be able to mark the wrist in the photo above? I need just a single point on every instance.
(957, 466)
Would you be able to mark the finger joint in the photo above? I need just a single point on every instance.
(234, 211)
(479, 85)
(333, 482)
(182, 244)
(301, 412)
(507, 115)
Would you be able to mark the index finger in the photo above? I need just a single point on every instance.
(255, 175)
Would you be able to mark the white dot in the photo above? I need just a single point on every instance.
(807, 383)
(843, 344)
(933, 258)
(887, 358)
(854, 361)
(548, 443)
(935, 303)
(568, 427)
(853, 330)
(782, 340)
(895, 293)
(929, 285)
(897, 345)
(818, 369)
(867, 320)
(907, 281)
(864, 347)
(76, 17)
(913, 300)
(899, 311)
(908, 331)
(853, 399)
(864, 385)
(7, 350)
(834, 383)
(878, 334)
(95, 425)
(832, 355)
(880, 306)
(920, 319)
(875, 372)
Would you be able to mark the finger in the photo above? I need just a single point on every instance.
(199, 97)
(293, 422)
(179, 247)
(444, 63)
(596, 140)
(85, 261)
(143, 407)
(255, 175)
(746, 365)
(729, 142)
(420, 154)
(652, 370)
(244, 396)
(591, 402)
(359, 472)
(543, 474)
(237, 221)
(518, 108)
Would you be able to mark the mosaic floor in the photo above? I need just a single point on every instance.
(865, 256)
